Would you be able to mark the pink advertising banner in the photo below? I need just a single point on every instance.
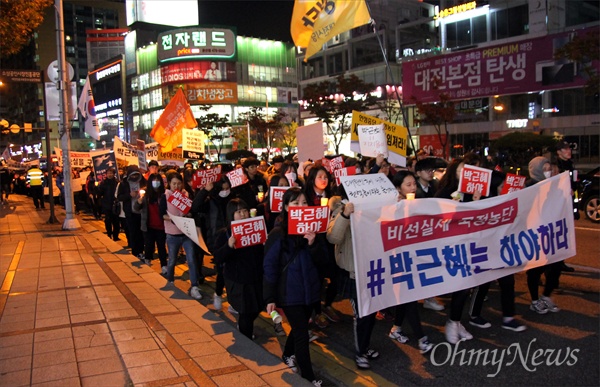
(510, 68)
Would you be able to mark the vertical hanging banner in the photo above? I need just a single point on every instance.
(176, 117)
(314, 22)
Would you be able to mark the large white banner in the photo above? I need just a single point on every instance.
(422, 248)
(128, 152)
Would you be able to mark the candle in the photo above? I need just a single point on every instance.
(324, 201)
(142, 192)
(261, 196)
(410, 196)
(96, 183)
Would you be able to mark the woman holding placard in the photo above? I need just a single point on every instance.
(243, 269)
(291, 281)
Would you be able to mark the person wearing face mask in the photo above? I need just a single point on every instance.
(152, 224)
(243, 270)
(290, 172)
(208, 210)
(129, 192)
(540, 169)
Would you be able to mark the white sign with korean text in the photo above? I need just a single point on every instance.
(372, 140)
(416, 249)
(188, 227)
(370, 188)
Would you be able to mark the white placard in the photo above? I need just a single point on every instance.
(188, 227)
(371, 188)
(372, 140)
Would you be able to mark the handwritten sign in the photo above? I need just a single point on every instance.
(473, 179)
(276, 198)
(180, 201)
(188, 227)
(397, 137)
(237, 177)
(193, 143)
(304, 219)
(202, 177)
(372, 140)
(369, 189)
(512, 183)
(249, 232)
(348, 171)
(129, 153)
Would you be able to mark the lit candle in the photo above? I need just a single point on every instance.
(142, 192)
(324, 201)
(261, 196)
(96, 183)
(410, 196)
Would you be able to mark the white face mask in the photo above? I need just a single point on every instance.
(155, 184)
(291, 176)
(224, 194)
(548, 174)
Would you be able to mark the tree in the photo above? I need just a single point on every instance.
(213, 125)
(287, 135)
(517, 148)
(438, 114)
(333, 103)
(584, 50)
(19, 20)
(264, 130)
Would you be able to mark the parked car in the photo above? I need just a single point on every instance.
(589, 195)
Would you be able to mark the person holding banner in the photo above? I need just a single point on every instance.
(318, 190)
(176, 238)
(264, 208)
(339, 233)
(243, 269)
(448, 189)
(256, 183)
(540, 169)
(152, 224)
(406, 184)
(291, 281)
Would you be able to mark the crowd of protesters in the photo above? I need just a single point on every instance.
(297, 276)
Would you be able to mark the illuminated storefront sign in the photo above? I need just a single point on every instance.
(455, 10)
(196, 43)
(198, 71)
(210, 93)
(112, 70)
(517, 124)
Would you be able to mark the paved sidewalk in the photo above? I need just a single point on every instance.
(77, 309)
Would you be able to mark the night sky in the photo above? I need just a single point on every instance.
(265, 19)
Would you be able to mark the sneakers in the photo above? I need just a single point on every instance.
(195, 293)
(550, 305)
(424, 345)
(317, 383)
(456, 332)
(479, 322)
(372, 354)
(331, 314)
(362, 362)
(279, 329)
(321, 321)
(231, 310)
(290, 361)
(431, 303)
(217, 301)
(163, 270)
(539, 307)
(396, 334)
(513, 325)
(312, 336)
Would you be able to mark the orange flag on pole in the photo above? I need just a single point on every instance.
(176, 116)
(314, 22)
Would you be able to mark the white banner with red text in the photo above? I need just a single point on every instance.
(416, 249)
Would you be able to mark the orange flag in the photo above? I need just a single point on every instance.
(314, 22)
(176, 116)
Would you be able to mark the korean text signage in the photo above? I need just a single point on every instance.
(196, 43)
(276, 198)
(29, 76)
(510, 68)
(513, 183)
(412, 250)
(396, 136)
(205, 93)
(249, 232)
(202, 177)
(306, 219)
(237, 177)
(474, 179)
(182, 202)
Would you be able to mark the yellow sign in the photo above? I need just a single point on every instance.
(396, 135)
(173, 154)
(455, 10)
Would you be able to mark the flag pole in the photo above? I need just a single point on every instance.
(387, 65)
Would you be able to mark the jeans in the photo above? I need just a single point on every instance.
(174, 243)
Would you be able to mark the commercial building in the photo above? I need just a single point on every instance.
(494, 58)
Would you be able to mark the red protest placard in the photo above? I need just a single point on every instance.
(513, 183)
(304, 219)
(474, 179)
(348, 171)
(276, 198)
(337, 163)
(237, 177)
(203, 177)
(182, 202)
(249, 232)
